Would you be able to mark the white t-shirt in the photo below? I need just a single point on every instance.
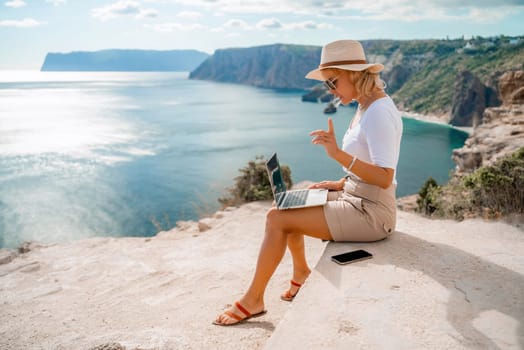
(376, 138)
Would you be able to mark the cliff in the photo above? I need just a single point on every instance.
(502, 128)
(125, 60)
(276, 66)
(423, 76)
(470, 98)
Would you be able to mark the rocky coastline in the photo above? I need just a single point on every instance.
(319, 94)
(501, 131)
(498, 132)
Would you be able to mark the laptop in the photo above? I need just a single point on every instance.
(291, 199)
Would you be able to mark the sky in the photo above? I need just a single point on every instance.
(30, 29)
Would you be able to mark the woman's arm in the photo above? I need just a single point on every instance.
(369, 173)
(330, 185)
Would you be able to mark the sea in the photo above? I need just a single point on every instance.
(90, 154)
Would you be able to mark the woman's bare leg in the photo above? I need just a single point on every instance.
(279, 224)
(301, 270)
(295, 243)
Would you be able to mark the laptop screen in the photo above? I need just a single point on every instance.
(275, 178)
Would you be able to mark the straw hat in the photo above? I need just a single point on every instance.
(343, 54)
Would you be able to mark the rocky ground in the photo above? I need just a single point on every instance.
(433, 284)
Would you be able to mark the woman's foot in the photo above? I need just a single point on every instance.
(237, 314)
(292, 292)
(294, 287)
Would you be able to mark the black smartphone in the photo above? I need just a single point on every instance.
(349, 257)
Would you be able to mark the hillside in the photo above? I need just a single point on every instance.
(124, 60)
(450, 69)
(276, 66)
(452, 77)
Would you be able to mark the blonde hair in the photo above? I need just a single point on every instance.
(364, 81)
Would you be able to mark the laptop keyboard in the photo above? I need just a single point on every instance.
(295, 198)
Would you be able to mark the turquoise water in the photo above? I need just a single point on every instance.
(108, 154)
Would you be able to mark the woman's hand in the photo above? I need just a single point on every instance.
(326, 139)
(329, 185)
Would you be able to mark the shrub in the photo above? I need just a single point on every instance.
(491, 191)
(427, 196)
(453, 200)
(253, 183)
(499, 189)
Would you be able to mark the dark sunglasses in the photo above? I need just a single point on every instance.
(330, 84)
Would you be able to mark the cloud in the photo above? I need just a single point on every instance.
(175, 27)
(409, 11)
(441, 10)
(399, 10)
(261, 7)
(453, 4)
(233, 6)
(25, 23)
(275, 24)
(380, 6)
(490, 15)
(56, 2)
(237, 24)
(307, 25)
(269, 23)
(123, 8)
(15, 3)
(147, 13)
(190, 15)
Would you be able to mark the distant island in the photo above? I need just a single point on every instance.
(125, 60)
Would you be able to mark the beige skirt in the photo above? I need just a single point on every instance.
(361, 213)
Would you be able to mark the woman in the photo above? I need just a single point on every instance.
(361, 205)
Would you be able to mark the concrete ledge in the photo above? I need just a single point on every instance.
(431, 285)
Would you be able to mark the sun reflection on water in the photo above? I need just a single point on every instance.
(61, 134)
(70, 122)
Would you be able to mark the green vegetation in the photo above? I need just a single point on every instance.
(421, 73)
(490, 191)
(253, 183)
(431, 88)
(426, 197)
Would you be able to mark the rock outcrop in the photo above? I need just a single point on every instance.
(512, 88)
(502, 129)
(397, 75)
(470, 99)
(276, 66)
(317, 94)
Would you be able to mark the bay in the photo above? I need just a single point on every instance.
(124, 154)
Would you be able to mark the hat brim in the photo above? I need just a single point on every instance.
(316, 74)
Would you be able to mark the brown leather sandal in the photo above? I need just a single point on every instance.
(231, 314)
(287, 296)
